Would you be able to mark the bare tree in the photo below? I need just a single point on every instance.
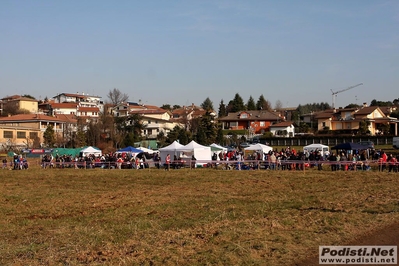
(117, 97)
(278, 105)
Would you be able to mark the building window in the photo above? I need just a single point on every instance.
(262, 123)
(21, 135)
(324, 124)
(149, 122)
(33, 135)
(244, 116)
(7, 135)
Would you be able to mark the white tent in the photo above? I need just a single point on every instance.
(199, 151)
(90, 150)
(144, 149)
(259, 148)
(218, 147)
(316, 146)
(172, 149)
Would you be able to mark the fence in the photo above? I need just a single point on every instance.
(237, 165)
(324, 140)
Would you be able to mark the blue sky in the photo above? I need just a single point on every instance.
(180, 52)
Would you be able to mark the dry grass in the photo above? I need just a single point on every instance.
(200, 217)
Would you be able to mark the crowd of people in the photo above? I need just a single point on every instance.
(284, 159)
(107, 161)
(290, 159)
(18, 162)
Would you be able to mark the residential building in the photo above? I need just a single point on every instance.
(283, 129)
(83, 100)
(155, 120)
(19, 103)
(256, 122)
(123, 109)
(26, 130)
(348, 119)
(186, 114)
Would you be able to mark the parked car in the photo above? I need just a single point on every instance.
(395, 142)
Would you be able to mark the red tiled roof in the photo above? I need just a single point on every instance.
(283, 124)
(64, 105)
(151, 111)
(252, 116)
(88, 109)
(67, 117)
(12, 97)
(366, 110)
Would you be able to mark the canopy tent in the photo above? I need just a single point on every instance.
(324, 149)
(216, 147)
(90, 150)
(144, 149)
(66, 151)
(129, 149)
(258, 148)
(199, 151)
(172, 149)
(132, 151)
(350, 146)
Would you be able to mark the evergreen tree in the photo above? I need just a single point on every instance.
(251, 104)
(263, 104)
(237, 104)
(207, 104)
(134, 125)
(178, 134)
(183, 136)
(129, 139)
(93, 133)
(364, 127)
(220, 136)
(166, 107)
(161, 139)
(80, 139)
(222, 109)
(200, 136)
(49, 136)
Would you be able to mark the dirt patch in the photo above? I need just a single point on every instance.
(388, 236)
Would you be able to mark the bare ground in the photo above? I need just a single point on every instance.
(388, 236)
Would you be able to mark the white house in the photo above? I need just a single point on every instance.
(283, 129)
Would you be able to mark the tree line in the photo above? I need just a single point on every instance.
(110, 132)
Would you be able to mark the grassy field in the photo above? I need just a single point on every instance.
(186, 217)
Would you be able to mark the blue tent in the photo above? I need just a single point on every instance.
(350, 146)
(130, 149)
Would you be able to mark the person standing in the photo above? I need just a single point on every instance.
(333, 160)
(167, 162)
(5, 163)
(392, 163)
